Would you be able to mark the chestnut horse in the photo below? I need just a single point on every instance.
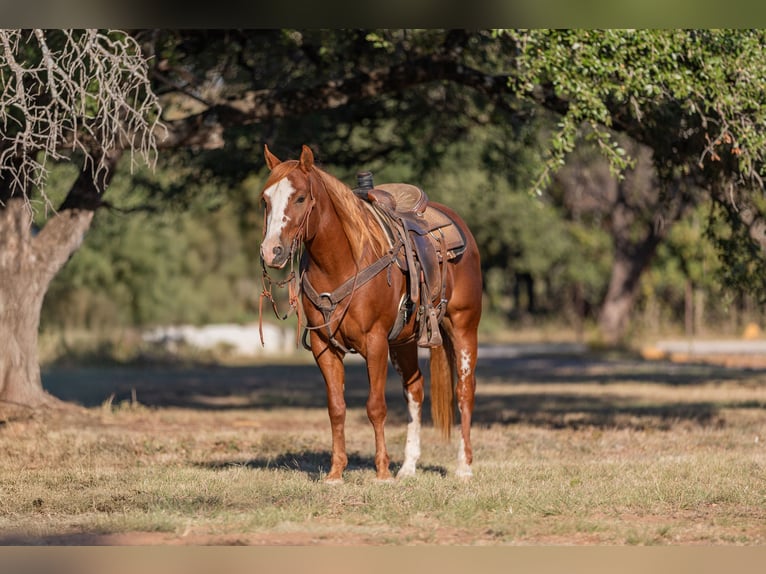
(305, 205)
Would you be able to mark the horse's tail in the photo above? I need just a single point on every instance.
(442, 386)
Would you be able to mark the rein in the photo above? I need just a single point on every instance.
(293, 293)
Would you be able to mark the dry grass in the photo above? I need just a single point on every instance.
(568, 450)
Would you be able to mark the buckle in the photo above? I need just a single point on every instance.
(320, 301)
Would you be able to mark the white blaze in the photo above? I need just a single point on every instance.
(278, 195)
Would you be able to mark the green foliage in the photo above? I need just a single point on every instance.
(158, 266)
(668, 88)
(485, 177)
(742, 259)
(687, 256)
(190, 252)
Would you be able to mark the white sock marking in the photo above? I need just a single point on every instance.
(463, 468)
(412, 448)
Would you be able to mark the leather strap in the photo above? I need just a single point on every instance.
(328, 302)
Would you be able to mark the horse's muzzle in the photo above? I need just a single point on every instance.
(277, 258)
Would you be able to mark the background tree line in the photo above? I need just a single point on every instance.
(470, 140)
(546, 260)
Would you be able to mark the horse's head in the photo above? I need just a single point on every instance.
(287, 200)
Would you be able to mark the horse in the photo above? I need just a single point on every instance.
(358, 286)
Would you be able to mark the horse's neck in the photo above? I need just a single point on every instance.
(328, 249)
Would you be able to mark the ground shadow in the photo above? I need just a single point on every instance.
(600, 369)
(314, 463)
(266, 386)
(558, 411)
(44, 564)
(603, 410)
(198, 387)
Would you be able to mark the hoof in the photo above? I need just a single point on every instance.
(333, 481)
(406, 472)
(464, 473)
(389, 480)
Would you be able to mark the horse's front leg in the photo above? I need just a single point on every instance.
(330, 362)
(377, 369)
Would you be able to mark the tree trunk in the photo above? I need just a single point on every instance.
(631, 258)
(28, 264)
(689, 308)
(641, 217)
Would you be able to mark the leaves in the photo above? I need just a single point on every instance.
(663, 87)
(438, 107)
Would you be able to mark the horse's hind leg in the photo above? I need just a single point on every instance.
(405, 361)
(462, 333)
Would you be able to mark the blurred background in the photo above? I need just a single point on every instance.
(178, 245)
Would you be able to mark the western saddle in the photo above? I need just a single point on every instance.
(430, 238)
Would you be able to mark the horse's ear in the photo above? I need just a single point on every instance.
(271, 160)
(307, 159)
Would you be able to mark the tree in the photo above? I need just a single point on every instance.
(342, 88)
(67, 95)
(695, 98)
(155, 261)
(631, 209)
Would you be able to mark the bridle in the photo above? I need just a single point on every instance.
(292, 281)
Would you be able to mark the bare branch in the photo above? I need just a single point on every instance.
(65, 91)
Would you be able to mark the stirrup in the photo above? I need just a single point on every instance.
(430, 335)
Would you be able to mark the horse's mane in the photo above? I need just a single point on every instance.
(355, 218)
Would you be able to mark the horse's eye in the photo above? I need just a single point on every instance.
(263, 203)
(300, 199)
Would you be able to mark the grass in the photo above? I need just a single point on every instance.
(568, 450)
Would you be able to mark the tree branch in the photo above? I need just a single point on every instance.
(751, 217)
(71, 90)
(205, 129)
(64, 232)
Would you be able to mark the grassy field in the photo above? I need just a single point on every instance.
(574, 450)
